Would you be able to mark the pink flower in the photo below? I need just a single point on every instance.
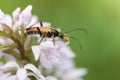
(51, 78)
(22, 72)
(50, 54)
(73, 74)
(67, 71)
(55, 60)
(5, 19)
(65, 50)
(18, 18)
(46, 53)
(16, 14)
(4, 40)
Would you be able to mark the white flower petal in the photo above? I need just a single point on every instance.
(47, 44)
(15, 14)
(68, 64)
(67, 52)
(2, 41)
(36, 52)
(74, 74)
(21, 74)
(49, 54)
(10, 65)
(5, 76)
(34, 69)
(17, 25)
(32, 74)
(28, 78)
(36, 25)
(8, 20)
(1, 73)
(33, 22)
(7, 40)
(55, 56)
(11, 77)
(2, 15)
(45, 61)
(82, 71)
(46, 24)
(55, 59)
(8, 56)
(51, 78)
(26, 14)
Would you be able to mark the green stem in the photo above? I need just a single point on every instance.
(22, 34)
(12, 52)
(8, 45)
(20, 47)
(24, 56)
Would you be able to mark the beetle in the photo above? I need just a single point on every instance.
(49, 32)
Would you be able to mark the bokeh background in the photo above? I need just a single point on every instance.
(100, 52)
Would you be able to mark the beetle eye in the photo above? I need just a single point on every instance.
(61, 35)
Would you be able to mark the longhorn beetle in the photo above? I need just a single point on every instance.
(50, 32)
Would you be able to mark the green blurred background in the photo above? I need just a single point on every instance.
(101, 18)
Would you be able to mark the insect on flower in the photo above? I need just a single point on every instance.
(49, 32)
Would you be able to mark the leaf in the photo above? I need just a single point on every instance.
(3, 34)
(8, 45)
(22, 34)
(7, 29)
(16, 35)
(12, 52)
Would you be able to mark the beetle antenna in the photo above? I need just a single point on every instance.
(33, 24)
(41, 24)
(77, 41)
(77, 30)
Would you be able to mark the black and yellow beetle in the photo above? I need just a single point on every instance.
(49, 32)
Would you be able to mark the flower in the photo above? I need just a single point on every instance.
(22, 72)
(50, 62)
(47, 53)
(4, 40)
(10, 29)
(68, 71)
(51, 78)
(5, 19)
(18, 19)
(73, 74)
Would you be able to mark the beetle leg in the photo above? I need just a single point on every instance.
(53, 37)
(41, 39)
